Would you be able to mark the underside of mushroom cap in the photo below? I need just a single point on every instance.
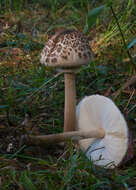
(66, 49)
(98, 111)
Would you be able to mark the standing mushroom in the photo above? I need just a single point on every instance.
(101, 132)
(67, 50)
(99, 112)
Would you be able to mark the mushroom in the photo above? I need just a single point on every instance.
(101, 132)
(67, 50)
(101, 129)
(99, 112)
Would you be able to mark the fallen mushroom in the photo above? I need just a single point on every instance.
(67, 50)
(95, 112)
(101, 132)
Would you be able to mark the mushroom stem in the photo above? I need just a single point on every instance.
(61, 137)
(70, 102)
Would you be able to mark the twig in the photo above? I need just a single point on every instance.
(131, 109)
(131, 96)
(128, 92)
(131, 81)
(64, 153)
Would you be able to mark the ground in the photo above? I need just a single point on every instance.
(29, 91)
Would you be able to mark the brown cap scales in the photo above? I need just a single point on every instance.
(66, 49)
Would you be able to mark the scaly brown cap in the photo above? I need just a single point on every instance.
(66, 49)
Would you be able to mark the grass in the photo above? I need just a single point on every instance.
(28, 87)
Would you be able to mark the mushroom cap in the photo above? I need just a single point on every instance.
(98, 111)
(66, 49)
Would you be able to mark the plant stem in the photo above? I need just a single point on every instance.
(123, 39)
